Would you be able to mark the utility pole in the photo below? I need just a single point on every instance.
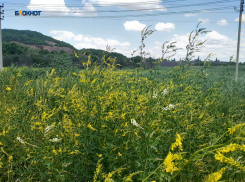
(238, 41)
(1, 51)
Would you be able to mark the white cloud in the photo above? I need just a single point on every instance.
(204, 21)
(78, 38)
(167, 27)
(85, 45)
(190, 14)
(87, 11)
(55, 7)
(98, 42)
(134, 25)
(243, 18)
(222, 22)
(132, 4)
(62, 35)
(58, 8)
(114, 42)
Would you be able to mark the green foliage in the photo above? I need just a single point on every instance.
(136, 61)
(13, 49)
(93, 112)
(31, 38)
(19, 55)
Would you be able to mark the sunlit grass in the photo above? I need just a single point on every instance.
(57, 128)
(98, 124)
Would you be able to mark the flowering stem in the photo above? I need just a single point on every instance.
(31, 145)
(193, 155)
(213, 146)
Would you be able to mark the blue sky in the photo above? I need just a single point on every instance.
(118, 23)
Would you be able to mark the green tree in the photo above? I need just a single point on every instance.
(136, 60)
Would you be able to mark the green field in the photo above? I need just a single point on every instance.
(171, 124)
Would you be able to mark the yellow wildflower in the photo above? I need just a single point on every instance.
(10, 158)
(220, 157)
(215, 176)
(75, 152)
(98, 170)
(90, 126)
(99, 155)
(76, 135)
(8, 88)
(129, 177)
(234, 128)
(231, 148)
(28, 82)
(55, 152)
(119, 154)
(60, 150)
(169, 164)
(178, 143)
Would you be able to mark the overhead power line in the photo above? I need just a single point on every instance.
(148, 9)
(118, 4)
(158, 14)
(100, 5)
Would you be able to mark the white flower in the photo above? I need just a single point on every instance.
(165, 91)
(154, 95)
(135, 123)
(48, 128)
(171, 106)
(238, 159)
(55, 140)
(20, 140)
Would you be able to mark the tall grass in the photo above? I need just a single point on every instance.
(130, 125)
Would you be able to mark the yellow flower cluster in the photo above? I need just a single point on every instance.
(232, 147)
(8, 88)
(177, 143)
(220, 157)
(234, 128)
(91, 127)
(215, 176)
(169, 164)
(98, 169)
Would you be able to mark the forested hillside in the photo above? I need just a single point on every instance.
(31, 38)
(30, 48)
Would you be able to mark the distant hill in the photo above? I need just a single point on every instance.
(26, 47)
(35, 40)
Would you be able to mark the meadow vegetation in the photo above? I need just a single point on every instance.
(102, 124)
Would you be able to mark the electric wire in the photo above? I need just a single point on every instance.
(144, 15)
(149, 9)
(118, 4)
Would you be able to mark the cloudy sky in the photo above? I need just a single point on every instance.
(118, 23)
